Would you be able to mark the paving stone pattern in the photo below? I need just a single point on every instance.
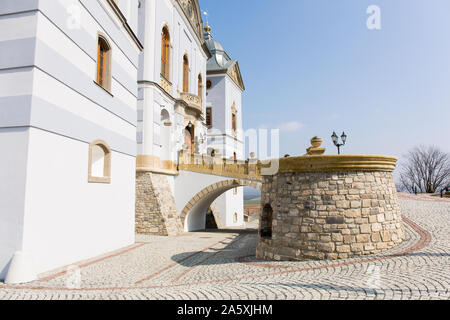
(222, 265)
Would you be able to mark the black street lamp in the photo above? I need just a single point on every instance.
(336, 141)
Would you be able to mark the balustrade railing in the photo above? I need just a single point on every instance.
(249, 169)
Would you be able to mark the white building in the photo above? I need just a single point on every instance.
(92, 125)
(173, 108)
(224, 121)
(172, 78)
(68, 97)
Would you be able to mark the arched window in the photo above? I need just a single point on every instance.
(234, 117)
(104, 64)
(185, 73)
(209, 117)
(235, 217)
(208, 84)
(266, 222)
(189, 138)
(165, 53)
(200, 86)
(99, 162)
(233, 122)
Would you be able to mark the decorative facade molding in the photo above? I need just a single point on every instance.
(191, 9)
(166, 85)
(125, 24)
(234, 72)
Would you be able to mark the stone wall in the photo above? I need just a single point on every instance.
(156, 212)
(330, 215)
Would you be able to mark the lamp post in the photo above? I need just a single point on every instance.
(336, 141)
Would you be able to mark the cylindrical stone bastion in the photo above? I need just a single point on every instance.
(329, 207)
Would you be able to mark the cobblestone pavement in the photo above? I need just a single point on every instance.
(221, 265)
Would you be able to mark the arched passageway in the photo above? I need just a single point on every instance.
(194, 213)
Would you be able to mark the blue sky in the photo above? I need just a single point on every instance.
(312, 67)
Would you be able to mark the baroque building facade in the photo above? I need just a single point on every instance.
(98, 101)
(176, 108)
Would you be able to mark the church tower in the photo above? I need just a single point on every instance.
(224, 88)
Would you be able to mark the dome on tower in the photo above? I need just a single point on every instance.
(220, 60)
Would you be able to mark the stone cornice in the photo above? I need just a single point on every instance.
(337, 163)
(235, 76)
(125, 24)
(152, 83)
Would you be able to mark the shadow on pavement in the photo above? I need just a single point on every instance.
(217, 256)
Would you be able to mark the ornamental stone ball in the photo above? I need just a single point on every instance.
(315, 148)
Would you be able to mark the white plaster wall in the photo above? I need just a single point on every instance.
(235, 204)
(53, 91)
(68, 219)
(12, 189)
(216, 98)
(85, 58)
(221, 96)
(129, 9)
(20, 26)
(44, 178)
(229, 203)
(233, 94)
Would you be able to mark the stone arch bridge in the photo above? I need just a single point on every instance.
(201, 180)
(193, 204)
(166, 206)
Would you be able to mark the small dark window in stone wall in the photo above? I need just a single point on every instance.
(266, 222)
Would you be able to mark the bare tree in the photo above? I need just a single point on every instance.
(426, 169)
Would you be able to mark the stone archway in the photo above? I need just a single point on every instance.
(189, 135)
(215, 215)
(194, 213)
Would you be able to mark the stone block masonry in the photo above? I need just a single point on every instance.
(156, 213)
(330, 215)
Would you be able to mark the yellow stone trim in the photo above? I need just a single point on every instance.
(337, 163)
(219, 167)
(148, 163)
